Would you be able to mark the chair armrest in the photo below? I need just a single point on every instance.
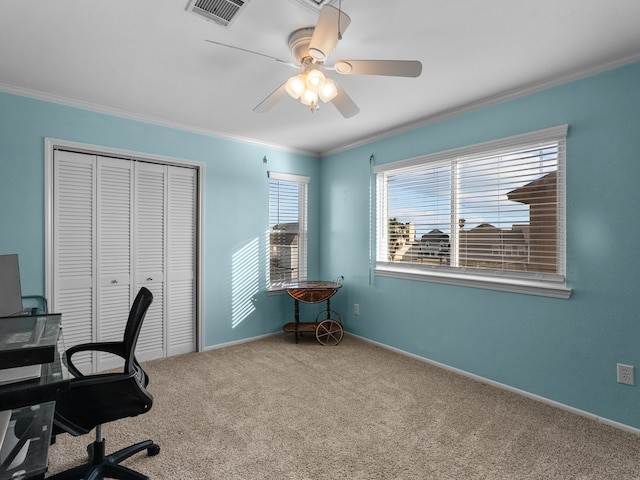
(115, 348)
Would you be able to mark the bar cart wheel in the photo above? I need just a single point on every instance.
(329, 332)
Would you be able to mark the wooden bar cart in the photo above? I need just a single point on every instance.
(327, 326)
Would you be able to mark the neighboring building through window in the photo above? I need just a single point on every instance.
(287, 228)
(491, 213)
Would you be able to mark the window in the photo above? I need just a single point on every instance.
(287, 228)
(489, 215)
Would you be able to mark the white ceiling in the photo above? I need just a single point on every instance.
(148, 59)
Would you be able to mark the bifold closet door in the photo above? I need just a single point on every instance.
(92, 249)
(119, 225)
(165, 255)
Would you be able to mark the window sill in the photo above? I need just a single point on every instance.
(276, 291)
(541, 287)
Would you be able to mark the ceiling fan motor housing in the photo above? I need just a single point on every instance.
(299, 44)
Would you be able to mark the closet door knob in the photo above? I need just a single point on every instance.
(114, 281)
(149, 279)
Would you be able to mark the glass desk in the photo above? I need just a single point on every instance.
(29, 341)
(26, 441)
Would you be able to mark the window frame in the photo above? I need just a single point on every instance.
(302, 182)
(551, 285)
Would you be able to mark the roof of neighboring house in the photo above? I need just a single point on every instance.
(434, 236)
(538, 189)
(289, 230)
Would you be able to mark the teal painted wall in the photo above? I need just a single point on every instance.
(235, 204)
(563, 350)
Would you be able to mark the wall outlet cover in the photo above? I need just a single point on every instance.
(626, 374)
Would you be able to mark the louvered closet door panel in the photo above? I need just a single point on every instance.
(120, 225)
(73, 252)
(114, 198)
(181, 315)
(150, 227)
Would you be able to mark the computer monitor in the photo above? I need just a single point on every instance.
(10, 289)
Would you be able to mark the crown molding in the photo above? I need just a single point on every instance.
(492, 100)
(94, 107)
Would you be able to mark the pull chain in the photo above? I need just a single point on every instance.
(339, 15)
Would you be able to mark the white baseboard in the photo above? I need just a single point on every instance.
(238, 342)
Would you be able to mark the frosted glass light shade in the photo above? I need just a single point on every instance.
(309, 97)
(295, 86)
(315, 80)
(329, 91)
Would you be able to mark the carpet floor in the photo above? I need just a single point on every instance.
(273, 409)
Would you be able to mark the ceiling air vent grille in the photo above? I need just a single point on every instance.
(223, 12)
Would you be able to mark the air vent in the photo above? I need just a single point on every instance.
(222, 12)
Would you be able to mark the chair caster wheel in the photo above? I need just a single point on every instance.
(153, 450)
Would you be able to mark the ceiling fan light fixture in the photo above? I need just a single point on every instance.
(343, 67)
(329, 91)
(296, 86)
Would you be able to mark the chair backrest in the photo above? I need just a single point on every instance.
(134, 324)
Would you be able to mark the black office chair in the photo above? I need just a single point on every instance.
(100, 398)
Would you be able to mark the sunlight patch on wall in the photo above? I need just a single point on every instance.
(245, 282)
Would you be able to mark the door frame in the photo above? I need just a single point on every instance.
(52, 144)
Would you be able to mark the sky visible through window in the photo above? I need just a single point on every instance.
(477, 188)
(283, 202)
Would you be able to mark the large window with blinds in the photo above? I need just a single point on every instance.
(490, 215)
(287, 228)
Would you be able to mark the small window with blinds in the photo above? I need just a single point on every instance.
(489, 215)
(287, 228)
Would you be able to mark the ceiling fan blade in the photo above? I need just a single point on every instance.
(394, 68)
(266, 104)
(328, 30)
(251, 51)
(344, 104)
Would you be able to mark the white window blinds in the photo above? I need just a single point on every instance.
(287, 228)
(494, 209)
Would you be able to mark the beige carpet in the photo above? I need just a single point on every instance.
(271, 409)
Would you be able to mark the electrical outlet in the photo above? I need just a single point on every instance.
(626, 374)
(356, 309)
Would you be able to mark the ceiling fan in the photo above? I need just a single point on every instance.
(311, 47)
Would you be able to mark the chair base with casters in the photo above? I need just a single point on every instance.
(108, 466)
